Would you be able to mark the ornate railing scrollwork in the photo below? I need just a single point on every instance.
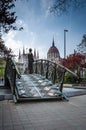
(11, 73)
(51, 70)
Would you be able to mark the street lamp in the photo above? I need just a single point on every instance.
(65, 43)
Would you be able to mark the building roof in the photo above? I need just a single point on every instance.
(53, 48)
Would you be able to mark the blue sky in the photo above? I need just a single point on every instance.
(40, 27)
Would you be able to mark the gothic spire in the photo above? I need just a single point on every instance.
(34, 53)
(19, 54)
(23, 50)
(53, 44)
(37, 55)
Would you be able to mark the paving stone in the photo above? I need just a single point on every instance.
(44, 115)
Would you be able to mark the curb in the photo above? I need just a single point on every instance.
(6, 97)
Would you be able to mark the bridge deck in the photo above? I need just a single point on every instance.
(35, 86)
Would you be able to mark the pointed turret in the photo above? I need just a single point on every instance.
(23, 50)
(53, 44)
(37, 55)
(19, 54)
(34, 53)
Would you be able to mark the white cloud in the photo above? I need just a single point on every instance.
(21, 23)
(32, 33)
(10, 42)
(46, 4)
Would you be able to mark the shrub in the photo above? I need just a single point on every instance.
(70, 78)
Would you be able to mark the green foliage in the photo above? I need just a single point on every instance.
(85, 74)
(70, 79)
(2, 72)
(2, 67)
(2, 62)
(7, 20)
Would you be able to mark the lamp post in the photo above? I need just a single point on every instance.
(65, 43)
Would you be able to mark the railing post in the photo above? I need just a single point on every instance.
(14, 79)
(61, 86)
(54, 74)
(36, 68)
(6, 84)
(41, 67)
(47, 69)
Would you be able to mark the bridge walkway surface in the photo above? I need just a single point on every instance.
(34, 86)
(44, 115)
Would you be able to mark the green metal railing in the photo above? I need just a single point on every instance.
(52, 71)
(11, 73)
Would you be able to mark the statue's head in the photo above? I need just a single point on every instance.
(30, 50)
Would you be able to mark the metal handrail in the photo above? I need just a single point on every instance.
(51, 70)
(11, 73)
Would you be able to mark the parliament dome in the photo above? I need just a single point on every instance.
(53, 52)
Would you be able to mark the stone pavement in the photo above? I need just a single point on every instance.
(49, 115)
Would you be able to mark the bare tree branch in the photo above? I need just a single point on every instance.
(63, 6)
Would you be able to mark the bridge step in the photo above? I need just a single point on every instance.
(36, 87)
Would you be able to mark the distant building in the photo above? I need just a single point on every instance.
(53, 53)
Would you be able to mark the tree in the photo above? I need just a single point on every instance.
(4, 49)
(7, 20)
(7, 16)
(62, 6)
(82, 45)
(74, 61)
(1, 43)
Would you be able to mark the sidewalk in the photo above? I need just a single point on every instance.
(4, 92)
(44, 115)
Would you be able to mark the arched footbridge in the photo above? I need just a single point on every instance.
(46, 82)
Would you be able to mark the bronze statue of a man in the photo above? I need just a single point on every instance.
(30, 61)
